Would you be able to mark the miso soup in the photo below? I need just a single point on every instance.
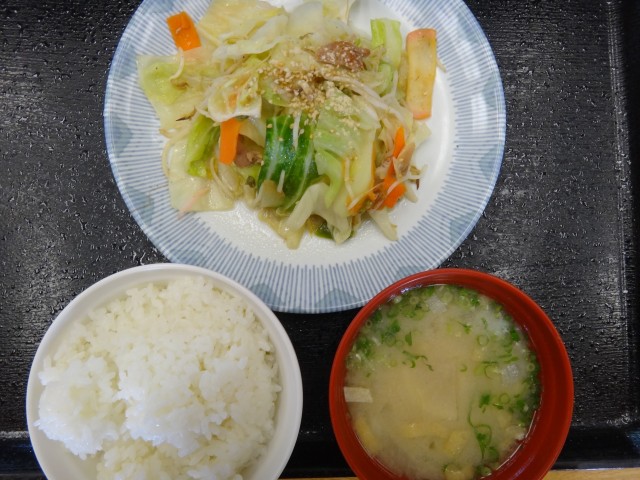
(441, 384)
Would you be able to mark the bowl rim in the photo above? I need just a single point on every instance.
(290, 400)
(550, 426)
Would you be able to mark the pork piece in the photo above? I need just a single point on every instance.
(343, 54)
(248, 154)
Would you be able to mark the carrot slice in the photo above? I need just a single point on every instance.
(398, 142)
(229, 132)
(394, 195)
(183, 31)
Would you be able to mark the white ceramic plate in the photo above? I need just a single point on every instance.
(463, 158)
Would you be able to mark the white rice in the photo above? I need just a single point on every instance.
(170, 381)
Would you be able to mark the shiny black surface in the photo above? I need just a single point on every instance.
(561, 224)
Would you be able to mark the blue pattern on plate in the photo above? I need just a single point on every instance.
(144, 204)
(322, 285)
(459, 225)
(163, 6)
(487, 162)
(121, 131)
(266, 293)
(335, 297)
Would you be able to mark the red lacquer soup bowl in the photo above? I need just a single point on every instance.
(538, 450)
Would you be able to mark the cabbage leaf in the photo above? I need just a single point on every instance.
(174, 85)
(236, 94)
(312, 203)
(230, 21)
(345, 132)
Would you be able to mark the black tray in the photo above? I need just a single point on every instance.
(561, 224)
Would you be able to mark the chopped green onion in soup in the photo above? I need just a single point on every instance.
(441, 384)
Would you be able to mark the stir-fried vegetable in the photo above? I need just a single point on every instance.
(200, 144)
(294, 112)
(288, 158)
(229, 132)
(422, 61)
(183, 31)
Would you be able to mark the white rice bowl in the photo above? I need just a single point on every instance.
(164, 372)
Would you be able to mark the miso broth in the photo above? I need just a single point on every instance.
(441, 384)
